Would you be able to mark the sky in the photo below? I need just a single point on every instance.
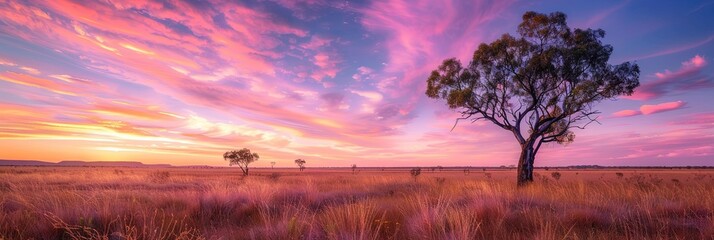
(335, 83)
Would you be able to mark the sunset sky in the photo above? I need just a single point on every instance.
(335, 83)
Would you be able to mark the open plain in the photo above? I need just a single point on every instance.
(219, 203)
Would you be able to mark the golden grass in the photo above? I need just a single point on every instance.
(184, 203)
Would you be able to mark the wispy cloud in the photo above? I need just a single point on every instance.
(676, 49)
(600, 16)
(687, 78)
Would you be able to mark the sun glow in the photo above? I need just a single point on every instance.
(114, 149)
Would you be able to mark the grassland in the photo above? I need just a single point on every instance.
(184, 203)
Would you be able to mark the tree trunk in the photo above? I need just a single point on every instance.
(525, 164)
(245, 173)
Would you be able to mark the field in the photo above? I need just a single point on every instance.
(217, 203)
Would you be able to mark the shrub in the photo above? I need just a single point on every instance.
(159, 176)
(675, 181)
(274, 176)
(415, 172)
(555, 175)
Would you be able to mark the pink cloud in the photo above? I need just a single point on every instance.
(363, 73)
(7, 63)
(327, 66)
(662, 107)
(137, 49)
(687, 77)
(36, 82)
(371, 96)
(156, 56)
(316, 43)
(322, 60)
(633, 147)
(416, 29)
(626, 113)
(651, 109)
(31, 70)
(419, 35)
(703, 120)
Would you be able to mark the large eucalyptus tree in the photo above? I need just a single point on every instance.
(538, 86)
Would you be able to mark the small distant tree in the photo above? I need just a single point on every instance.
(241, 158)
(354, 168)
(300, 163)
(441, 168)
(415, 172)
(272, 164)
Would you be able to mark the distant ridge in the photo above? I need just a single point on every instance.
(75, 163)
(4, 162)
